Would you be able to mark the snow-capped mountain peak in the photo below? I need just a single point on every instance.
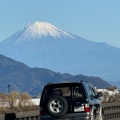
(37, 30)
(44, 28)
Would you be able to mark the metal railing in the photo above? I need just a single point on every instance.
(111, 112)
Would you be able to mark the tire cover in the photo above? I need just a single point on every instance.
(57, 106)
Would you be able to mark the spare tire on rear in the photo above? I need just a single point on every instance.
(57, 106)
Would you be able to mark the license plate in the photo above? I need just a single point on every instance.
(78, 108)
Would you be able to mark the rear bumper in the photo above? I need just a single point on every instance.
(75, 116)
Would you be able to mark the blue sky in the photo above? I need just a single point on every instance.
(95, 20)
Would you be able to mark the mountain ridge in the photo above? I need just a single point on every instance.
(23, 78)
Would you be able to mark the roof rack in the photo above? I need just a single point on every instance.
(49, 83)
(83, 81)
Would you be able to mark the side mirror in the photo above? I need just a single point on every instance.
(92, 97)
(99, 94)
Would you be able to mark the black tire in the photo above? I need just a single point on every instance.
(94, 116)
(103, 117)
(100, 116)
(57, 106)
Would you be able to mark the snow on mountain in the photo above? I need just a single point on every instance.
(42, 29)
(43, 45)
(37, 30)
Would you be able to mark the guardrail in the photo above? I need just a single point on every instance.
(26, 115)
(111, 112)
(30, 115)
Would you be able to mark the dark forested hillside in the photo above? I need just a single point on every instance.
(22, 78)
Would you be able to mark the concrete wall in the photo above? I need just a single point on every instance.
(29, 115)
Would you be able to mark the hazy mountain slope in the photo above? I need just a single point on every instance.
(45, 46)
(22, 78)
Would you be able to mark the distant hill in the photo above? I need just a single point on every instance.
(40, 44)
(22, 78)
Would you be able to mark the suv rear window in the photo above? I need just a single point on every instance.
(73, 91)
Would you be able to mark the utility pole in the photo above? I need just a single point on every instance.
(8, 88)
(9, 96)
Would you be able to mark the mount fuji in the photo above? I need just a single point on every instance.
(40, 44)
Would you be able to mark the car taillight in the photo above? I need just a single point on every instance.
(41, 111)
(87, 108)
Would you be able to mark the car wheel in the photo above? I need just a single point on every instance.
(102, 117)
(101, 114)
(93, 117)
(57, 106)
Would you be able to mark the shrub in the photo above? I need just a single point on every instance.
(14, 102)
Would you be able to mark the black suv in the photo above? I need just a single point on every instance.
(70, 101)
